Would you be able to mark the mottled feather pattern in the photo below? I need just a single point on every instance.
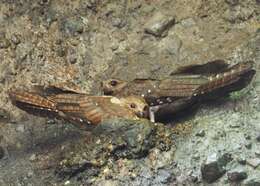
(231, 75)
(32, 99)
(148, 98)
(81, 110)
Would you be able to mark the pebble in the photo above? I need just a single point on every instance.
(253, 181)
(247, 136)
(4, 43)
(20, 128)
(236, 175)
(74, 26)
(2, 152)
(257, 152)
(234, 125)
(201, 133)
(254, 162)
(258, 138)
(15, 39)
(32, 157)
(232, 2)
(158, 24)
(214, 167)
(241, 160)
(248, 145)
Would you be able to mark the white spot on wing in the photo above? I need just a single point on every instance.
(115, 100)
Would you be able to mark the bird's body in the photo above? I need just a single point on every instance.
(82, 110)
(178, 85)
(185, 88)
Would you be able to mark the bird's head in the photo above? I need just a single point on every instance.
(137, 105)
(113, 86)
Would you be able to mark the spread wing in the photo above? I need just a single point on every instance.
(233, 79)
(181, 85)
(90, 110)
(33, 103)
(79, 108)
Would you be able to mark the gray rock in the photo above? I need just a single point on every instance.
(214, 167)
(254, 162)
(2, 152)
(257, 152)
(252, 182)
(248, 145)
(201, 133)
(236, 175)
(258, 138)
(241, 160)
(232, 2)
(15, 39)
(4, 43)
(130, 138)
(173, 45)
(20, 128)
(74, 26)
(163, 177)
(159, 24)
(118, 22)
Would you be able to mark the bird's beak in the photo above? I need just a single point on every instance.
(144, 113)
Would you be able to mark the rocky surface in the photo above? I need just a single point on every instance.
(84, 42)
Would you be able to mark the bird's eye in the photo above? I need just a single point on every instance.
(132, 105)
(113, 83)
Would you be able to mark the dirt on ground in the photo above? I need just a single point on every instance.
(84, 42)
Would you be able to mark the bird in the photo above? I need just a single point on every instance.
(185, 87)
(82, 110)
(180, 84)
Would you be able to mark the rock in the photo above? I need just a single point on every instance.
(33, 157)
(20, 128)
(254, 162)
(4, 43)
(74, 26)
(257, 153)
(241, 160)
(172, 45)
(258, 138)
(255, 181)
(15, 39)
(232, 2)
(129, 138)
(4, 115)
(248, 145)
(72, 56)
(118, 22)
(201, 133)
(2, 152)
(214, 167)
(247, 136)
(159, 24)
(236, 175)
(234, 125)
(163, 177)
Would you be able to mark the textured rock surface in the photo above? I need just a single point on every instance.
(87, 41)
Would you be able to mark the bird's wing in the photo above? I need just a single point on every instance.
(33, 103)
(181, 85)
(79, 108)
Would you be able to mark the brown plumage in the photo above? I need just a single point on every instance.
(185, 87)
(181, 85)
(82, 110)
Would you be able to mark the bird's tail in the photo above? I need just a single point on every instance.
(231, 76)
(33, 103)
